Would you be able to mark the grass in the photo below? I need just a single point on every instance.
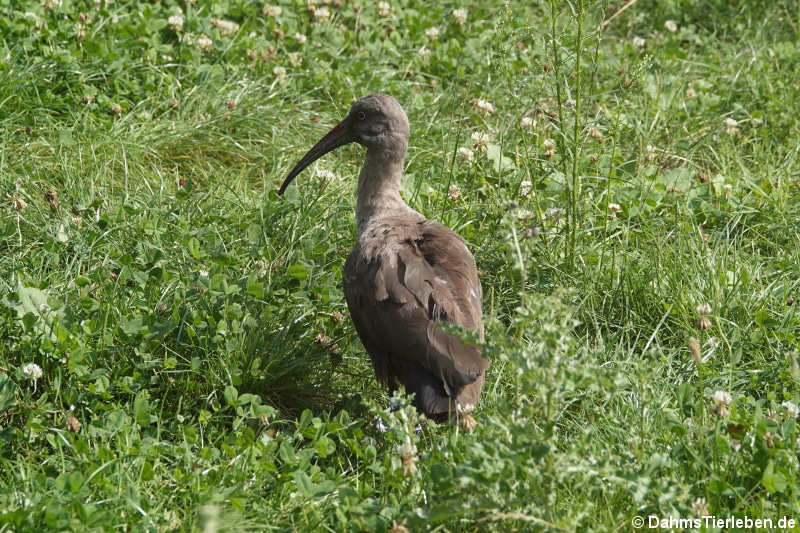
(198, 367)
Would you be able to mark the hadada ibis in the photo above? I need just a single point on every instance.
(406, 274)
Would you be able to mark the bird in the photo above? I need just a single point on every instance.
(407, 276)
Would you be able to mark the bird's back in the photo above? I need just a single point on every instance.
(405, 276)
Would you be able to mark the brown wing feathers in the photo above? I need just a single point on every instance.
(416, 284)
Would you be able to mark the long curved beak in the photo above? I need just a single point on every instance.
(338, 136)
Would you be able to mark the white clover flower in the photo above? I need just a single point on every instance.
(203, 42)
(555, 213)
(525, 188)
(595, 133)
(466, 154)
(549, 147)
(322, 14)
(295, 59)
(32, 371)
(721, 398)
(690, 93)
(528, 123)
(272, 11)
(300, 38)
(791, 409)
(638, 42)
(671, 26)
(408, 453)
(703, 309)
(481, 140)
(484, 107)
(114, 19)
(175, 22)
(650, 152)
(279, 72)
(324, 174)
(525, 214)
(454, 193)
(384, 9)
(699, 507)
(225, 27)
(80, 31)
(731, 126)
(19, 204)
(432, 33)
(38, 22)
(460, 16)
(203, 273)
(614, 208)
(51, 4)
(424, 52)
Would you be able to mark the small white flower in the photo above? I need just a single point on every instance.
(203, 273)
(699, 507)
(549, 147)
(525, 214)
(175, 22)
(454, 193)
(384, 9)
(484, 107)
(731, 126)
(300, 38)
(703, 309)
(322, 14)
(460, 16)
(466, 154)
(424, 52)
(432, 33)
(38, 22)
(19, 204)
(481, 140)
(638, 42)
(279, 72)
(295, 59)
(528, 123)
(791, 409)
(595, 133)
(555, 213)
(722, 398)
(203, 42)
(51, 4)
(614, 208)
(272, 11)
(650, 154)
(690, 93)
(225, 27)
(671, 26)
(32, 371)
(114, 19)
(324, 174)
(525, 188)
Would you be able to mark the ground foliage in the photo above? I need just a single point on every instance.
(630, 191)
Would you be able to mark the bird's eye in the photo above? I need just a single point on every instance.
(361, 115)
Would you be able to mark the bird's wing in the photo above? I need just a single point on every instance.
(423, 275)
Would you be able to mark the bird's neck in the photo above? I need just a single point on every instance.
(379, 186)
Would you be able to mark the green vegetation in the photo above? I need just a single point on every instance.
(175, 351)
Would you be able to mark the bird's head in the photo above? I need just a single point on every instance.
(375, 121)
